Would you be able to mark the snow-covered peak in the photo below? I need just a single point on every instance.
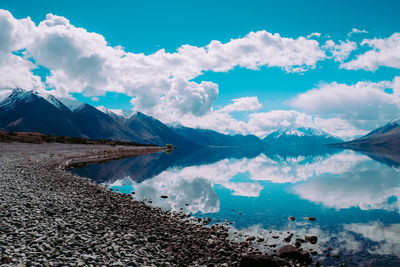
(17, 96)
(300, 132)
(70, 103)
(54, 101)
(103, 109)
(123, 113)
(176, 125)
(117, 112)
(8, 98)
(395, 122)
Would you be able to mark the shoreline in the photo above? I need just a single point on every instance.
(50, 217)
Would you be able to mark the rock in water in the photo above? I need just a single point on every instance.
(296, 254)
(311, 238)
(251, 238)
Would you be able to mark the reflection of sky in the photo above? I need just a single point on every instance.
(345, 191)
(387, 237)
(367, 185)
(342, 180)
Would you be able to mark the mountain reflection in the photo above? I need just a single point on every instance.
(144, 167)
(337, 179)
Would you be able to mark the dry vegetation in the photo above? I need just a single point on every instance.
(38, 138)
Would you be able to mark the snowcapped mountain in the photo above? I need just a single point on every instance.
(72, 104)
(30, 111)
(300, 137)
(26, 111)
(118, 114)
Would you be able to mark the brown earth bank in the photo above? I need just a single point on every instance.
(49, 217)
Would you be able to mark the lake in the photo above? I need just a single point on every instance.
(353, 196)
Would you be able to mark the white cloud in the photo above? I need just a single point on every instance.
(340, 51)
(385, 52)
(83, 62)
(243, 104)
(14, 36)
(17, 73)
(354, 30)
(316, 34)
(364, 104)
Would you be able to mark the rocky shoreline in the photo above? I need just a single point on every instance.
(49, 217)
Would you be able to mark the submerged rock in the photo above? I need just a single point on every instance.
(311, 238)
(296, 254)
(251, 238)
(310, 218)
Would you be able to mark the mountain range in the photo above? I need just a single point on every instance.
(29, 111)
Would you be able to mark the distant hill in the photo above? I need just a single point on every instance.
(385, 139)
(205, 137)
(304, 137)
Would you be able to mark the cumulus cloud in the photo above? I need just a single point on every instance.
(339, 52)
(384, 52)
(83, 62)
(364, 104)
(243, 104)
(15, 35)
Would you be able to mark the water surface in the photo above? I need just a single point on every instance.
(354, 196)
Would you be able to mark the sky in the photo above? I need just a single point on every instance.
(231, 66)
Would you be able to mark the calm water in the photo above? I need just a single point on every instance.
(355, 198)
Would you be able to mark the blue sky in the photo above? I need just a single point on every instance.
(148, 26)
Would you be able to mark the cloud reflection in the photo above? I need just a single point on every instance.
(368, 185)
(386, 236)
